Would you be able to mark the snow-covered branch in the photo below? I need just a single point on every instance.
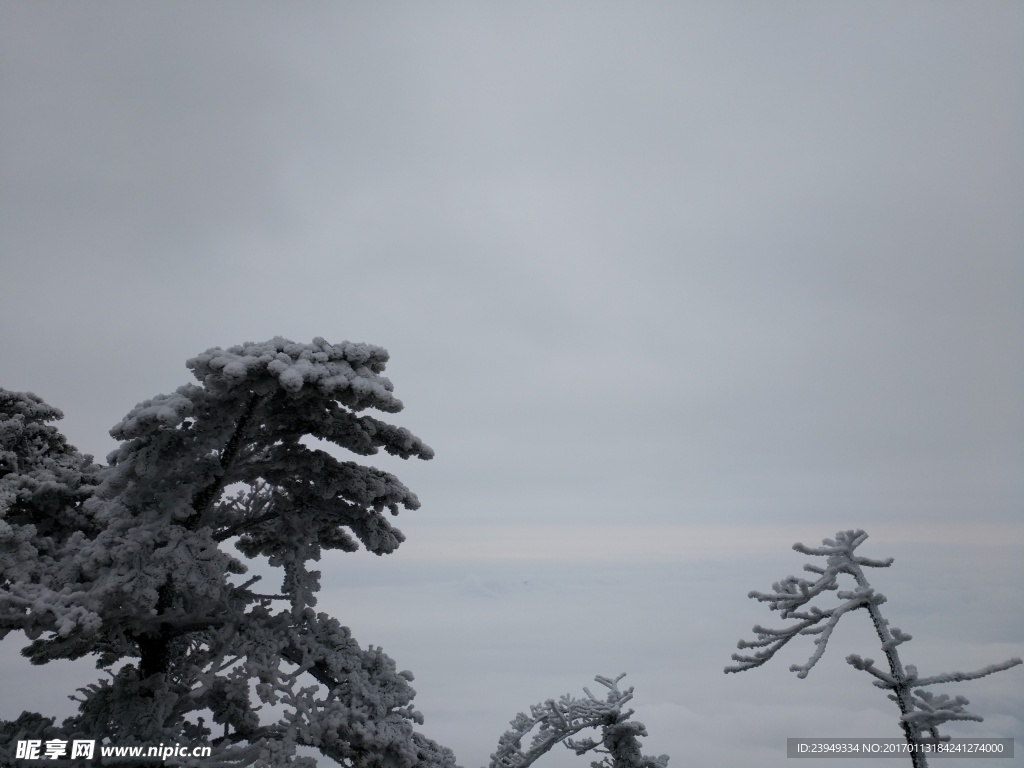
(790, 596)
(557, 721)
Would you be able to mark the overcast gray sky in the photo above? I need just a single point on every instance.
(666, 285)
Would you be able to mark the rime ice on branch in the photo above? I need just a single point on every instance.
(128, 563)
(558, 721)
(921, 712)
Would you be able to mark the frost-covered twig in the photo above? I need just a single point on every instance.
(558, 721)
(921, 712)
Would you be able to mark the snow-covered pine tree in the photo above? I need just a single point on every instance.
(557, 722)
(128, 562)
(921, 712)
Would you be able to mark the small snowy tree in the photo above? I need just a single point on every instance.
(921, 712)
(558, 721)
(127, 562)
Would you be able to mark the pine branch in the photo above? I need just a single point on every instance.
(205, 496)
